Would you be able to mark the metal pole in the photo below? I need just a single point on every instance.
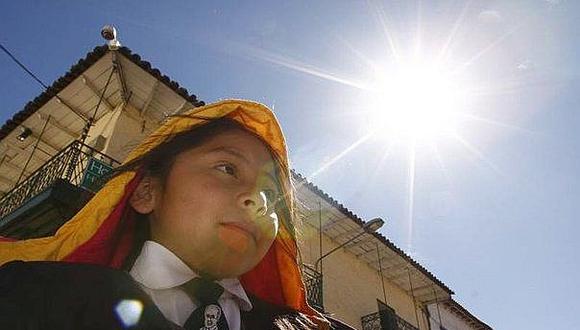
(373, 225)
(413, 296)
(92, 118)
(320, 234)
(338, 247)
(381, 274)
(437, 304)
(33, 150)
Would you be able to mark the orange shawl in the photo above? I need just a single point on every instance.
(97, 234)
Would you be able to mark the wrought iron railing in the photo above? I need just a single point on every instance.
(373, 322)
(69, 165)
(313, 282)
(404, 325)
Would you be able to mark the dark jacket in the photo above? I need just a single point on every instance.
(57, 295)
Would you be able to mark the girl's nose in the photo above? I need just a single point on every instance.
(254, 202)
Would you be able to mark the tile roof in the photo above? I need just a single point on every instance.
(477, 323)
(379, 236)
(75, 71)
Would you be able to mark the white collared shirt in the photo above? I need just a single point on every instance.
(159, 272)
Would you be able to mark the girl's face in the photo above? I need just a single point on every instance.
(215, 209)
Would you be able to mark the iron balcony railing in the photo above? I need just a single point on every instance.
(70, 164)
(373, 322)
(313, 282)
(404, 325)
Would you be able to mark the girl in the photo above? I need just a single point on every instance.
(200, 218)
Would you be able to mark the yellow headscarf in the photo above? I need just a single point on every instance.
(98, 234)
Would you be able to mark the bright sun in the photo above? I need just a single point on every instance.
(415, 101)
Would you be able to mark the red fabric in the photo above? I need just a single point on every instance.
(264, 280)
(112, 242)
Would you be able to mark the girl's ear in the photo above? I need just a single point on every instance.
(144, 197)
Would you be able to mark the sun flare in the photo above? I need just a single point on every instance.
(415, 101)
(410, 95)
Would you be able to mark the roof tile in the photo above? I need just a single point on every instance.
(75, 71)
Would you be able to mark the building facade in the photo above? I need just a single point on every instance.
(450, 315)
(55, 152)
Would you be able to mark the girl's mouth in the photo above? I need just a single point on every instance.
(247, 228)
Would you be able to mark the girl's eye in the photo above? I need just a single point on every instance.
(227, 168)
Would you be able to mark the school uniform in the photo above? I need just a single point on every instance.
(160, 273)
(58, 295)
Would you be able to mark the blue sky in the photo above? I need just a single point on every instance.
(490, 210)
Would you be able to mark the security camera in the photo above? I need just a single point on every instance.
(109, 32)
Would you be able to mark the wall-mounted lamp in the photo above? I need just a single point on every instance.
(26, 132)
(369, 227)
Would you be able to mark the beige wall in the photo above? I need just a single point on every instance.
(123, 128)
(104, 126)
(128, 133)
(449, 320)
(351, 288)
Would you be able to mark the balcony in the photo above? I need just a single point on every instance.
(38, 205)
(313, 283)
(385, 320)
(371, 322)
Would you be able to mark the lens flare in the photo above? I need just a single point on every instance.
(129, 311)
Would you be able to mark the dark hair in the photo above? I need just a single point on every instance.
(158, 161)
